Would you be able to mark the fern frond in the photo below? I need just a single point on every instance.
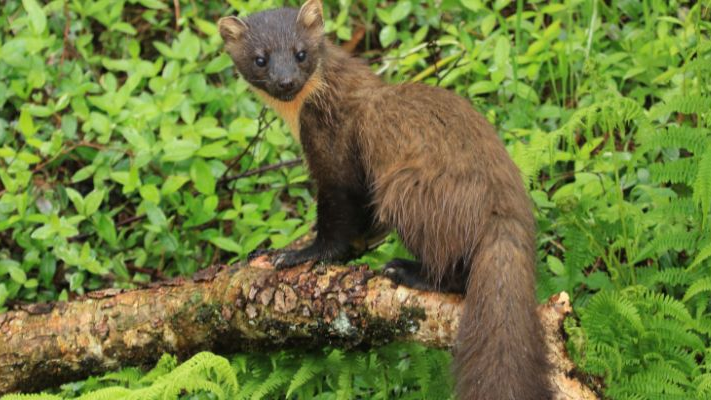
(703, 385)
(682, 209)
(126, 376)
(700, 286)
(276, 380)
(704, 253)
(344, 383)
(702, 185)
(110, 393)
(308, 370)
(694, 140)
(660, 303)
(682, 170)
(664, 242)
(608, 310)
(668, 276)
(692, 104)
(167, 363)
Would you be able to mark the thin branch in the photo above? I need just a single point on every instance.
(65, 42)
(260, 129)
(176, 5)
(454, 66)
(129, 220)
(261, 170)
(66, 151)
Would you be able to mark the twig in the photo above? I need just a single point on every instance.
(126, 221)
(176, 5)
(66, 151)
(261, 170)
(260, 128)
(452, 68)
(67, 23)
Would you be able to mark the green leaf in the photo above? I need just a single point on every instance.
(17, 274)
(92, 202)
(201, 175)
(276, 137)
(474, 5)
(38, 20)
(254, 240)
(155, 215)
(188, 46)
(401, 10)
(179, 150)
(501, 51)
(387, 35)
(154, 4)
(482, 87)
(173, 184)
(83, 173)
(124, 27)
(3, 294)
(226, 244)
(76, 199)
(43, 232)
(26, 124)
(150, 193)
(106, 229)
(556, 266)
(207, 27)
(218, 64)
(215, 150)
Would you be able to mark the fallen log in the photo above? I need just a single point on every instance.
(227, 309)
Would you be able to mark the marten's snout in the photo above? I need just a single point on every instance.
(285, 76)
(286, 84)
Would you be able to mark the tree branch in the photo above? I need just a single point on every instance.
(226, 309)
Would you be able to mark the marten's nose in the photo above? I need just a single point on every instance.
(286, 84)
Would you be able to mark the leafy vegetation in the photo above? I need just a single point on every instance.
(130, 152)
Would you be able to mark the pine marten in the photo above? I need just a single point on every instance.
(418, 159)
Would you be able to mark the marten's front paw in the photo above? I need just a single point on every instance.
(288, 259)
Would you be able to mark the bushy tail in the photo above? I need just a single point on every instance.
(500, 353)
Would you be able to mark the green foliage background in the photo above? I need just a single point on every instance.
(128, 150)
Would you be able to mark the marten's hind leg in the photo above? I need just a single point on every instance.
(414, 275)
(408, 273)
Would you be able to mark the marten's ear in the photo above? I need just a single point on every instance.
(231, 28)
(311, 16)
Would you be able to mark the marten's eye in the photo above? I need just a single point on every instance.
(261, 62)
(301, 56)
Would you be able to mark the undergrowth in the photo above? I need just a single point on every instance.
(129, 152)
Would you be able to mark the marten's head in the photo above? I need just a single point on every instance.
(276, 51)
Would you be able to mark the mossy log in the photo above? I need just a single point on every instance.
(227, 309)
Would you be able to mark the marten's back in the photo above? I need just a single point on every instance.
(437, 136)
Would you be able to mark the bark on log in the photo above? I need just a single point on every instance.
(226, 309)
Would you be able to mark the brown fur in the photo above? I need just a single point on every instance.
(419, 159)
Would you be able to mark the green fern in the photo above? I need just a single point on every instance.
(702, 185)
(305, 374)
(700, 286)
(110, 393)
(278, 379)
(692, 139)
(682, 170)
(691, 104)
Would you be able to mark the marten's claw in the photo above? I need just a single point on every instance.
(288, 259)
(257, 253)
